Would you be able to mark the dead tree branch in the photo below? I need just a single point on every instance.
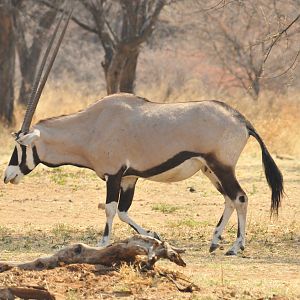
(115, 254)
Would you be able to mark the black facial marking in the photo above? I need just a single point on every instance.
(106, 230)
(242, 199)
(23, 165)
(220, 221)
(113, 186)
(163, 167)
(36, 158)
(14, 158)
(126, 199)
(205, 169)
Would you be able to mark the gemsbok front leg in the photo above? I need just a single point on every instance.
(113, 184)
(126, 197)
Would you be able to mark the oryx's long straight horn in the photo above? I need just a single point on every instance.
(39, 85)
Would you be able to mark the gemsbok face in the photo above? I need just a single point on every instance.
(24, 158)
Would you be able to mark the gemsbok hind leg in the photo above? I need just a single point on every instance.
(235, 198)
(113, 183)
(126, 197)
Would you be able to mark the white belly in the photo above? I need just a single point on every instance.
(183, 171)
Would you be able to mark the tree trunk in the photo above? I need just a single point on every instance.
(128, 73)
(120, 71)
(29, 57)
(7, 64)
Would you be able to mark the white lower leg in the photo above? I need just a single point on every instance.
(110, 210)
(125, 218)
(228, 210)
(241, 207)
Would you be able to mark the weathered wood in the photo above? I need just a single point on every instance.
(38, 293)
(112, 255)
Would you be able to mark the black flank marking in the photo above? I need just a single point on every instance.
(50, 165)
(14, 158)
(216, 232)
(220, 221)
(133, 228)
(106, 230)
(113, 186)
(126, 199)
(163, 167)
(242, 199)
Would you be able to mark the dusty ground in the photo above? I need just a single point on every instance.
(54, 207)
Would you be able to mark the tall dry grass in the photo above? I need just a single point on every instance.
(276, 118)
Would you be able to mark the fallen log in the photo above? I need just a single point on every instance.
(112, 255)
(38, 293)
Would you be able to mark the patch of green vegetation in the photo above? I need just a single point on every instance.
(191, 223)
(73, 294)
(62, 231)
(59, 178)
(165, 208)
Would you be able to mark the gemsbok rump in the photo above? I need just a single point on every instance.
(124, 137)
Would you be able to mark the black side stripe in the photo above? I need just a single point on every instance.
(165, 166)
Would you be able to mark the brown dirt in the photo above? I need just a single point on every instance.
(52, 208)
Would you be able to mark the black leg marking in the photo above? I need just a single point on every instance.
(113, 186)
(106, 230)
(229, 185)
(220, 221)
(133, 228)
(126, 198)
(239, 230)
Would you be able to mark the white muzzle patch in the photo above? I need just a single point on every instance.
(13, 175)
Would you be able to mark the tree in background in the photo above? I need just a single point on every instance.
(30, 40)
(242, 35)
(7, 62)
(122, 26)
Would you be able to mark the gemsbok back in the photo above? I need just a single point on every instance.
(124, 137)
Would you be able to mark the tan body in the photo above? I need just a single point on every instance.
(127, 130)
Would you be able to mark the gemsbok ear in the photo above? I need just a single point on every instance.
(14, 135)
(29, 138)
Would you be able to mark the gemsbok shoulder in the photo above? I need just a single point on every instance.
(124, 137)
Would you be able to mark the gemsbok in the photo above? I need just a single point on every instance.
(124, 137)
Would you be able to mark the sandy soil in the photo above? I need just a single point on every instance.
(54, 207)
